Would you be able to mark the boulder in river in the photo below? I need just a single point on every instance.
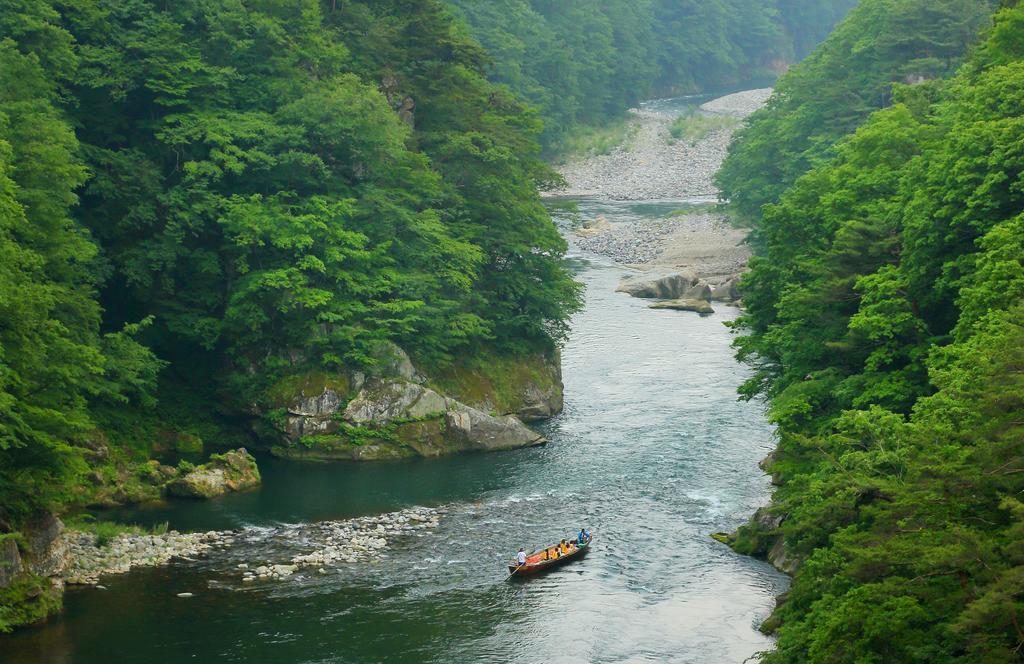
(470, 429)
(686, 304)
(727, 291)
(699, 291)
(232, 471)
(659, 286)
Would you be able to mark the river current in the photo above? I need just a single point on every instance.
(652, 453)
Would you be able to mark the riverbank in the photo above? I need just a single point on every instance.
(703, 242)
(326, 545)
(657, 166)
(652, 164)
(652, 443)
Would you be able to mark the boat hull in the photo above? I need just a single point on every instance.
(542, 566)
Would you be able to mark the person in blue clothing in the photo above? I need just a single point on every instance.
(583, 537)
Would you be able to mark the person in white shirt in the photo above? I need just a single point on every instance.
(521, 557)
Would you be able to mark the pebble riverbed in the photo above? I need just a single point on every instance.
(652, 165)
(327, 545)
(643, 241)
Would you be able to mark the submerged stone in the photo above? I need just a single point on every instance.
(699, 306)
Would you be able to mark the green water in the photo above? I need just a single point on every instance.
(652, 453)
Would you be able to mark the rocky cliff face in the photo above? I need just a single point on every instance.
(30, 562)
(400, 413)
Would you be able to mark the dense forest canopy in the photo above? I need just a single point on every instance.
(829, 94)
(203, 197)
(230, 192)
(584, 62)
(883, 319)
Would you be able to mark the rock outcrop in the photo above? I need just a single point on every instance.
(45, 552)
(224, 473)
(398, 413)
(699, 306)
(762, 537)
(10, 561)
(539, 403)
(469, 429)
(383, 401)
(659, 286)
(728, 291)
(30, 562)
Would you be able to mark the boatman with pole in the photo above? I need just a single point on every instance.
(521, 557)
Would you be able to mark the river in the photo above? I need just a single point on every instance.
(653, 453)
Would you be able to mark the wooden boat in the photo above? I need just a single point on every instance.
(536, 562)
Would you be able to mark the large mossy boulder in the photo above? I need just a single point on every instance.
(528, 386)
(397, 412)
(223, 473)
(384, 401)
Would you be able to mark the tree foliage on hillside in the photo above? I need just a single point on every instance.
(581, 62)
(828, 95)
(250, 189)
(884, 321)
(54, 360)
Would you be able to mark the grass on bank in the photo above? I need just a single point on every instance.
(585, 141)
(694, 128)
(106, 531)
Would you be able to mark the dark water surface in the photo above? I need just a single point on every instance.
(652, 453)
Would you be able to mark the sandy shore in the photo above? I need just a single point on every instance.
(653, 166)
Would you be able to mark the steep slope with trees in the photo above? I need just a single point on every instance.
(584, 63)
(828, 95)
(202, 199)
(884, 323)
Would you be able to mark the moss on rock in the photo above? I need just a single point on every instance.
(528, 385)
(307, 384)
(232, 471)
(396, 440)
(30, 599)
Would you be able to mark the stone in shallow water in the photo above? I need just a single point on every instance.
(699, 306)
(667, 286)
